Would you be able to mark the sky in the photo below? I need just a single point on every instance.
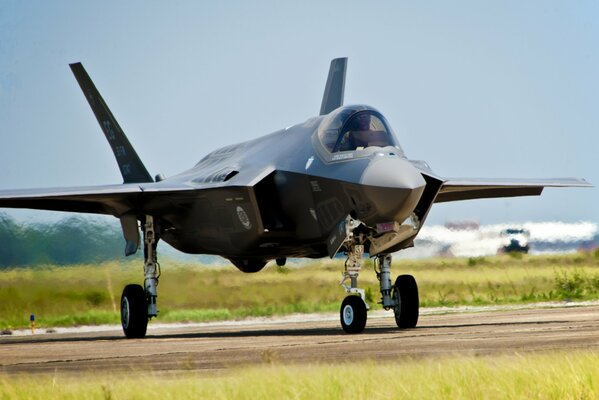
(475, 88)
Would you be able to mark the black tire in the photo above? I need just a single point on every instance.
(405, 291)
(353, 314)
(134, 312)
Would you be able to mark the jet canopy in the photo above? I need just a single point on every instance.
(353, 128)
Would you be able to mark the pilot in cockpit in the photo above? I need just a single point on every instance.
(359, 133)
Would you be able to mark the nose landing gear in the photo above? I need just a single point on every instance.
(401, 297)
(354, 308)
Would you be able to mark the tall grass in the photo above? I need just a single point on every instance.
(539, 376)
(90, 294)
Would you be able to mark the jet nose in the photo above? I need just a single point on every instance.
(392, 172)
(393, 186)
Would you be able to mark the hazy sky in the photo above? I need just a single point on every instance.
(481, 89)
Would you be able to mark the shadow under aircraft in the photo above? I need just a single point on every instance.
(335, 183)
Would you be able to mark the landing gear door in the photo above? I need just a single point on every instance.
(341, 234)
(337, 238)
(131, 233)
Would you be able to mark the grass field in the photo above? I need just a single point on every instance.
(538, 376)
(77, 295)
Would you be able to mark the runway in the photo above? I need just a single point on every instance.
(310, 339)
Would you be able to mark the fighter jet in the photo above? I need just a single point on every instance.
(335, 183)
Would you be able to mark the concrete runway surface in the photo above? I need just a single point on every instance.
(302, 339)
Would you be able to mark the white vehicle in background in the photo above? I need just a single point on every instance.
(462, 240)
(515, 240)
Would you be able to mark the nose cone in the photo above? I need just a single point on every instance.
(393, 186)
(392, 172)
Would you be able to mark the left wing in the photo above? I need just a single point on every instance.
(455, 189)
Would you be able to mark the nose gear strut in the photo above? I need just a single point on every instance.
(353, 265)
(354, 308)
(401, 297)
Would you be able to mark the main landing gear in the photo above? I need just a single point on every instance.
(138, 304)
(401, 297)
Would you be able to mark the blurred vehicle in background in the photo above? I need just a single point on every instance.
(515, 240)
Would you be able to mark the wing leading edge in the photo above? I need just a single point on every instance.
(455, 189)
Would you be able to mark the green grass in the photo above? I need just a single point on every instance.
(538, 376)
(77, 295)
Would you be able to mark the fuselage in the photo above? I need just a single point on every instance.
(282, 195)
(333, 182)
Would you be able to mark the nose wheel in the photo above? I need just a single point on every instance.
(354, 308)
(353, 314)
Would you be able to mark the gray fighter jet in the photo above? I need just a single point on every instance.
(338, 182)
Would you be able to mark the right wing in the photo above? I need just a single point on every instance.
(126, 202)
(115, 200)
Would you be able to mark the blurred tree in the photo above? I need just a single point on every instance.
(70, 241)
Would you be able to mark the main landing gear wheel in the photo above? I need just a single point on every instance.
(134, 312)
(353, 314)
(138, 304)
(405, 291)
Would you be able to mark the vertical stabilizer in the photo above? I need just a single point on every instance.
(132, 169)
(333, 92)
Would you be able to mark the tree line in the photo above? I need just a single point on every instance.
(72, 240)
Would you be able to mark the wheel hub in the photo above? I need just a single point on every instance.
(348, 315)
(125, 313)
(397, 308)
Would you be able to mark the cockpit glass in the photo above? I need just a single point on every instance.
(354, 129)
(361, 131)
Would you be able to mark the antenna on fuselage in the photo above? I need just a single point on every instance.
(335, 88)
